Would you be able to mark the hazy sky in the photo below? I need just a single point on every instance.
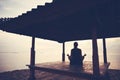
(13, 8)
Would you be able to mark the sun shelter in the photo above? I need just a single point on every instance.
(68, 20)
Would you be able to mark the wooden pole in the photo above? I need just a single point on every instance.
(32, 60)
(63, 54)
(104, 51)
(96, 71)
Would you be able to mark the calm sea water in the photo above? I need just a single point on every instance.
(15, 61)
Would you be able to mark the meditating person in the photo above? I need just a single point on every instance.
(76, 57)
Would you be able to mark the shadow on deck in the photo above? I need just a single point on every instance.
(76, 71)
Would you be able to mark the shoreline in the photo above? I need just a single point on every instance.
(23, 74)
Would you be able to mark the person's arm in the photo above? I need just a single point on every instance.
(83, 56)
(69, 56)
(80, 52)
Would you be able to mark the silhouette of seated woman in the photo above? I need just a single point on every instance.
(76, 57)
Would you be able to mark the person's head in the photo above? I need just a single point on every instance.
(75, 44)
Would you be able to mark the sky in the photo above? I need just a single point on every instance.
(13, 8)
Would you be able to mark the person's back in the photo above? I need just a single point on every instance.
(76, 57)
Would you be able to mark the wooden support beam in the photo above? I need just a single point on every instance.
(32, 60)
(63, 54)
(104, 51)
(95, 59)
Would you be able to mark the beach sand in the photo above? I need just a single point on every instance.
(40, 75)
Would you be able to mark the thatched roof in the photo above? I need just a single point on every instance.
(67, 20)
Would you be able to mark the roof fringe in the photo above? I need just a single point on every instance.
(34, 9)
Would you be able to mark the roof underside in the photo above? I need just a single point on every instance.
(66, 21)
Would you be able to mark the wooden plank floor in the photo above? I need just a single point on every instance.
(65, 69)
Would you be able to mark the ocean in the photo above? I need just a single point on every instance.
(15, 61)
(15, 51)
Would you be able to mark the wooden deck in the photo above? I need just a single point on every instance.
(65, 69)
